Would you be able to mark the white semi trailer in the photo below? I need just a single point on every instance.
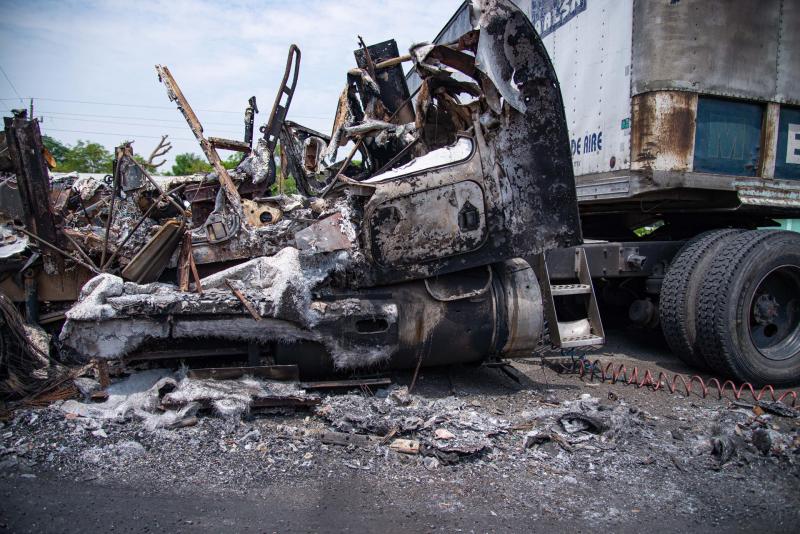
(684, 125)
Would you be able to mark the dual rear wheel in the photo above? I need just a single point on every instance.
(730, 304)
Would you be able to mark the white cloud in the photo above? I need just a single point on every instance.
(221, 53)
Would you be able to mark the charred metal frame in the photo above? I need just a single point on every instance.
(25, 147)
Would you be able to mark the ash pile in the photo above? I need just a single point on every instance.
(506, 443)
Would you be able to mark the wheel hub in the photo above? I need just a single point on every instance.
(766, 309)
(775, 314)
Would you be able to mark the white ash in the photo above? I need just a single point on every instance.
(436, 158)
(280, 285)
(142, 395)
(257, 164)
(86, 185)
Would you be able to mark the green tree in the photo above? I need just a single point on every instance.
(188, 163)
(140, 160)
(56, 148)
(232, 161)
(85, 156)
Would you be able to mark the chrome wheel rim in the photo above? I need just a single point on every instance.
(774, 314)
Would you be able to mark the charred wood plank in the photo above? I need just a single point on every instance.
(344, 439)
(285, 402)
(336, 384)
(229, 144)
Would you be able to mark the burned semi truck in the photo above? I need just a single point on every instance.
(449, 233)
(420, 247)
(684, 127)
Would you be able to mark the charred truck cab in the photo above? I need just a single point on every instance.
(423, 246)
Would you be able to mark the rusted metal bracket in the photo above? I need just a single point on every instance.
(175, 95)
(187, 267)
(243, 299)
(273, 127)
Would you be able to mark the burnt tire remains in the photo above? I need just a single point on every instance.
(680, 290)
(748, 317)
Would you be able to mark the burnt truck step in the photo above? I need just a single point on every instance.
(583, 331)
(561, 290)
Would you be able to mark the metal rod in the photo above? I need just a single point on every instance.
(83, 208)
(342, 168)
(405, 103)
(407, 57)
(246, 303)
(198, 287)
(392, 62)
(114, 192)
(62, 252)
(158, 188)
(397, 157)
(78, 248)
(31, 297)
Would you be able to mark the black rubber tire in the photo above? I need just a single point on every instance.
(680, 290)
(724, 311)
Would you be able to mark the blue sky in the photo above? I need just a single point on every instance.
(221, 53)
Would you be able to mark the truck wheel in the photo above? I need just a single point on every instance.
(679, 294)
(748, 317)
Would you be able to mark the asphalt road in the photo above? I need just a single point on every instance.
(39, 505)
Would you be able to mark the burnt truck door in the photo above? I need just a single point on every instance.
(504, 189)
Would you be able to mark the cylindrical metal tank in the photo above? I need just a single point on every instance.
(462, 317)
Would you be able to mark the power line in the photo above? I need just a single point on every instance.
(147, 106)
(184, 128)
(172, 121)
(144, 106)
(120, 135)
(12, 86)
